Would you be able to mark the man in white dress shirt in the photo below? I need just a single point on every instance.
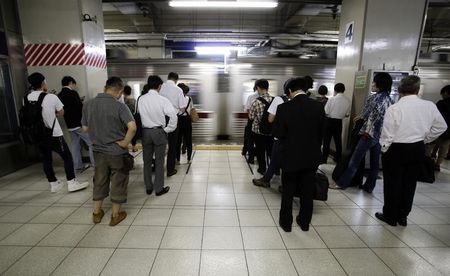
(408, 124)
(153, 109)
(336, 109)
(175, 95)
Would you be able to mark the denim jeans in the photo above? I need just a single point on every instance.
(75, 136)
(365, 144)
(274, 164)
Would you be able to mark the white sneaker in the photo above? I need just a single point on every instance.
(55, 186)
(73, 185)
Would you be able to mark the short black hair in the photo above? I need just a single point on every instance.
(383, 81)
(36, 79)
(67, 80)
(286, 86)
(323, 90)
(262, 83)
(309, 82)
(297, 84)
(144, 89)
(154, 82)
(184, 87)
(172, 76)
(445, 90)
(409, 85)
(115, 83)
(339, 88)
(127, 90)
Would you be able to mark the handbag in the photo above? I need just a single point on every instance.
(194, 115)
(426, 172)
(321, 186)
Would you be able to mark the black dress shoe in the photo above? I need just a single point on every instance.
(251, 161)
(286, 228)
(402, 221)
(304, 228)
(149, 191)
(366, 189)
(169, 174)
(381, 217)
(163, 191)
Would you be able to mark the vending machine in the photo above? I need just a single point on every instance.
(363, 87)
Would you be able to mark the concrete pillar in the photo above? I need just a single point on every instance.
(65, 38)
(384, 34)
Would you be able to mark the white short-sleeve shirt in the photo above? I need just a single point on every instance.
(274, 105)
(174, 94)
(50, 105)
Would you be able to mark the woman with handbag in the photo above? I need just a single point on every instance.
(185, 126)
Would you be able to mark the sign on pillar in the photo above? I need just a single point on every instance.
(349, 32)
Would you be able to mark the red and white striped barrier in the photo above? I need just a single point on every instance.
(60, 54)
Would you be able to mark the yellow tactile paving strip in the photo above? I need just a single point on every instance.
(218, 147)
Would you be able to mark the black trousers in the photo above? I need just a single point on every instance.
(302, 181)
(263, 150)
(184, 135)
(333, 129)
(401, 164)
(249, 144)
(172, 151)
(58, 145)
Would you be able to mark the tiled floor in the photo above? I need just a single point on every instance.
(215, 222)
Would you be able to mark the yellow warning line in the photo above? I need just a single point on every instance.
(204, 147)
(218, 147)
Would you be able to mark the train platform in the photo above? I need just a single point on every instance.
(214, 221)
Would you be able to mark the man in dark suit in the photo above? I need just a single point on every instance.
(299, 126)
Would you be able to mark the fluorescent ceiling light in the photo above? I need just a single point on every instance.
(223, 4)
(217, 50)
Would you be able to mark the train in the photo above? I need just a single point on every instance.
(220, 89)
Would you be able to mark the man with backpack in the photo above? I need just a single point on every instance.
(73, 107)
(261, 128)
(274, 164)
(39, 120)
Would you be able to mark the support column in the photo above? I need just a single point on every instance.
(65, 38)
(377, 34)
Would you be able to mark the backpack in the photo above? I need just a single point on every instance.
(32, 127)
(264, 126)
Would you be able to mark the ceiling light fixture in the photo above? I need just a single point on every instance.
(213, 51)
(223, 4)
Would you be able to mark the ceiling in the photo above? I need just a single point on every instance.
(294, 26)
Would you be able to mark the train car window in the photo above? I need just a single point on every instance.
(194, 90)
(8, 116)
(136, 88)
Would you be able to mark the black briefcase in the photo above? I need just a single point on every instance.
(321, 185)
